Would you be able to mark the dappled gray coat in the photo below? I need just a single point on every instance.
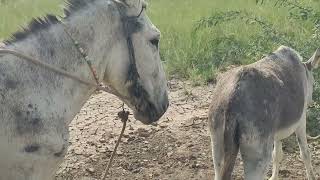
(257, 105)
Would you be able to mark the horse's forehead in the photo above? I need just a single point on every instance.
(134, 6)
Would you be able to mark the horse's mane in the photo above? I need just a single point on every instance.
(33, 27)
(41, 23)
(75, 5)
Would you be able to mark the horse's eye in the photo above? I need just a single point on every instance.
(155, 42)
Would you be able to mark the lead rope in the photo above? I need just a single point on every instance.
(83, 54)
(57, 70)
(124, 116)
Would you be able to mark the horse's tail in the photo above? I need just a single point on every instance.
(225, 142)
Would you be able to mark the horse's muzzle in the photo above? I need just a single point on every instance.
(152, 113)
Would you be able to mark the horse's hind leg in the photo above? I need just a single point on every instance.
(225, 150)
(277, 158)
(256, 154)
(304, 150)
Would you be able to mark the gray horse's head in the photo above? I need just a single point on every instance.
(134, 69)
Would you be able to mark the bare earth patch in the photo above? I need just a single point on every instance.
(177, 147)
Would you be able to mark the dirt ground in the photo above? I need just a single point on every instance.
(177, 147)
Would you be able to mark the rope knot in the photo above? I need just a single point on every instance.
(123, 115)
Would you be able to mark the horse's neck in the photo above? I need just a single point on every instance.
(97, 44)
(55, 47)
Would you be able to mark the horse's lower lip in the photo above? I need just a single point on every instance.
(145, 119)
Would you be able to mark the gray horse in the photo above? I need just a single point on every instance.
(37, 105)
(255, 107)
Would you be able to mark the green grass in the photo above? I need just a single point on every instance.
(223, 39)
(17, 13)
(190, 56)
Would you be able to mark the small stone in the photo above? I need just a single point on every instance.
(91, 143)
(136, 171)
(192, 157)
(196, 165)
(93, 159)
(90, 170)
(130, 139)
(102, 150)
(163, 126)
(190, 145)
(126, 136)
(143, 132)
(78, 152)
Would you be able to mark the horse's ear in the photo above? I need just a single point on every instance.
(313, 62)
